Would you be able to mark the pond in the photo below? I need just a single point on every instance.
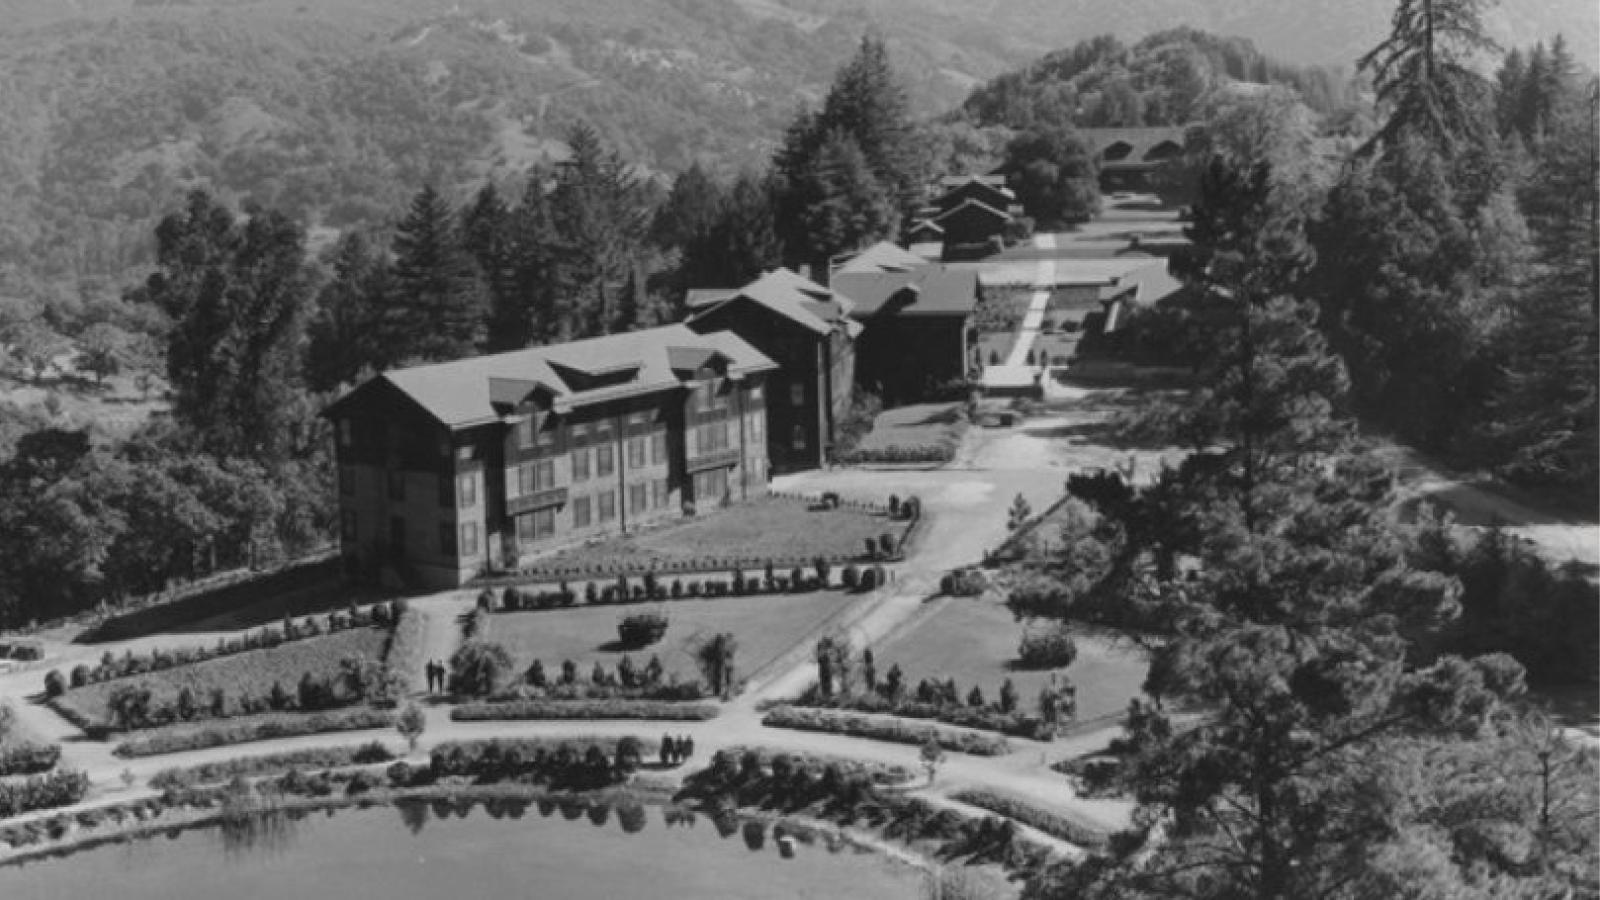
(442, 848)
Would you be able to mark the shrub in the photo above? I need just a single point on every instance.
(1052, 649)
(80, 675)
(584, 709)
(850, 577)
(962, 583)
(42, 792)
(641, 629)
(833, 722)
(869, 579)
(54, 684)
(29, 759)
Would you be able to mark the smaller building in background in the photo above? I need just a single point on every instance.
(808, 331)
(968, 215)
(451, 469)
(916, 320)
(1130, 158)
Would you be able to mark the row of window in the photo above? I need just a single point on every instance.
(600, 508)
(453, 539)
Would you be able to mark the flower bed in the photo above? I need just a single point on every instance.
(1048, 822)
(314, 758)
(982, 719)
(29, 759)
(815, 763)
(584, 709)
(42, 792)
(897, 731)
(181, 738)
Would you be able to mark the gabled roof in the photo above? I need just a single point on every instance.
(991, 186)
(796, 298)
(478, 390)
(1140, 142)
(932, 290)
(949, 182)
(884, 256)
(699, 297)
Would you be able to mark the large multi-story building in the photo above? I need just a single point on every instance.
(450, 469)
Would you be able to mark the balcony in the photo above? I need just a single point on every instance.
(716, 459)
(536, 500)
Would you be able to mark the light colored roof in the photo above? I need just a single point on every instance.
(699, 297)
(955, 181)
(466, 392)
(939, 290)
(792, 296)
(884, 256)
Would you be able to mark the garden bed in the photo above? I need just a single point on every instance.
(925, 432)
(1032, 816)
(182, 738)
(885, 728)
(518, 710)
(249, 674)
(787, 531)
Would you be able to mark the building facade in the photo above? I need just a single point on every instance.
(450, 470)
(807, 331)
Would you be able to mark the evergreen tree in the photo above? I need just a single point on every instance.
(868, 103)
(1424, 72)
(740, 245)
(690, 211)
(845, 206)
(238, 296)
(346, 333)
(601, 212)
(439, 304)
(488, 236)
(526, 312)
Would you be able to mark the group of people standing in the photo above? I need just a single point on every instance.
(436, 676)
(675, 750)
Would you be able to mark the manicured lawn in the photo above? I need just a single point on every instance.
(920, 425)
(765, 626)
(974, 640)
(251, 672)
(771, 528)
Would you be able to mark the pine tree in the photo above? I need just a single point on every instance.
(1054, 175)
(868, 103)
(600, 211)
(527, 312)
(691, 209)
(488, 236)
(1424, 72)
(346, 335)
(846, 207)
(439, 304)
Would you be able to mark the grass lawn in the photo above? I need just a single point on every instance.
(994, 347)
(765, 627)
(974, 641)
(919, 425)
(771, 528)
(252, 671)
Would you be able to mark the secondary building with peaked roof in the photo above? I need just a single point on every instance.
(451, 469)
(916, 321)
(1130, 157)
(808, 331)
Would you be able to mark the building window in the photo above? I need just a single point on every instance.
(347, 480)
(711, 436)
(544, 431)
(708, 395)
(755, 393)
(536, 525)
(580, 465)
(658, 448)
(397, 534)
(469, 538)
(447, 538)
(344, 433)
(798, 439)
(660, 493)
(757, 422)
(637, 447)
(444, 446)
(639, 418)
(347, 525)
(525, 433)
(397, 484)
(446, 499)
(638, 498)
(580, 512)
(608, 505)
(580, 432)
(603, 460)
(797, 394)
(467, 490)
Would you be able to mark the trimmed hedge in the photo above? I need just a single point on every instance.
(42, 792)
(899, 454)
(29, 759)
(183, 738)
(314, 758)
(900, 732)
(579, 763)
(584, 709)
(1048, 822)
(815, 763)
(980, 718)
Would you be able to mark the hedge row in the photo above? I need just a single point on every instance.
(29, 759)
(941, 453)
(42, 792)
(985, 718)
(815, 763)
(313, 758)
(407, 639)
(584, 709)
(901, 732)
(650, 588)
(22, 651)
(178, 740)
(580, 763)
(1034, 817)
